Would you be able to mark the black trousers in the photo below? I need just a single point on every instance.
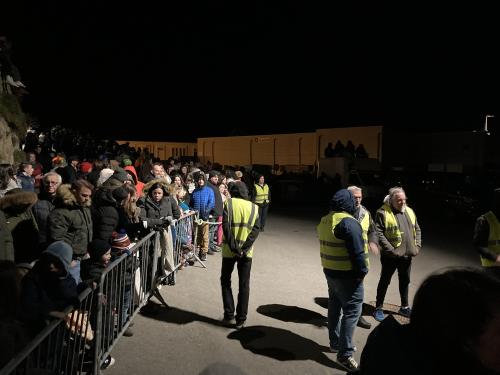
(263, 215)
(389, 266)
(244, 266)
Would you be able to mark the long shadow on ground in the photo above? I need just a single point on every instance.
(175, 315)
(292, 314)
(282, 345)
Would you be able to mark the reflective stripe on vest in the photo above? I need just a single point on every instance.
(261, 194)
(333, 252)
(493, 239)
(392, 232)
(242, 217)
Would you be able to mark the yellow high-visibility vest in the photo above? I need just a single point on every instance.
(261, 194)
(493, 238)
(392, 232)
(242, 217)
(333, 252)
(365, 225)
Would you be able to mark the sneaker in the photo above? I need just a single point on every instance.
(378, 314)
(349, 363)
(128, 332)
(203, 256)
(363, 323)
(216, 249)
(210, 252)
(405, 311)
(240, 324)
(228, 322)
(108, 362)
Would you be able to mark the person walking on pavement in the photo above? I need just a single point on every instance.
(345, 264)
(262, 198)
(240, 224)
(486, 238)
(400, 240)
(362, 215)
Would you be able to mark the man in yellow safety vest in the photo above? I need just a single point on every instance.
(345, 265)
(400, 240)
(363, 216)
(262, 198)
(240, 224)
(487, 236)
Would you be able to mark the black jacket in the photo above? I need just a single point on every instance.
(153, 212)
(219, 207)
(41, 211)
(105, 215)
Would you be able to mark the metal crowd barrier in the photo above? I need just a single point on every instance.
(105, 313)
(63, 347)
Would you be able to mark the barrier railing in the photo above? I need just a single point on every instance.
(63, 347)
(83, 343)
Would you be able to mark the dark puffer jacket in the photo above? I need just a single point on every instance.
(70, 222)
(41, 211)
(105, 215)
(16, 206)
(152, 212)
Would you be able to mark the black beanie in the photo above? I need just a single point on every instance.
(120, 194)
(121, 175)
(97, 248)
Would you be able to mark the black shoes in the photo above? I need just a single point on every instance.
(203, 257)
(363, 323)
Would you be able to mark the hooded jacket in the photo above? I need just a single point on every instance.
(70, 222)
(16, 206)
(44, 291)
(139, 186)
(351, 232)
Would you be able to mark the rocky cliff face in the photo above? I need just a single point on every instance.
(9, 142)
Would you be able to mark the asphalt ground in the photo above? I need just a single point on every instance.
(286, 328)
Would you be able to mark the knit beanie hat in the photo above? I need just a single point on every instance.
(104, 175)
(120, 194)
(85, 167)
(120, 175)
(120, 241)
(126, 162)
(97, 248)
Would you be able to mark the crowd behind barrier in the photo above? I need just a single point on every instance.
(80, 341)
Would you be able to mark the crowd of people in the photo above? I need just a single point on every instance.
(64, 218)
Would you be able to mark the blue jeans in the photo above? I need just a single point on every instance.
(345, 302)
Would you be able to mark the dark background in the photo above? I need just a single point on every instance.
(179, 70)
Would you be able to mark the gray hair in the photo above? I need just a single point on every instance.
(394, 191)
(353, 188)
(50, 174)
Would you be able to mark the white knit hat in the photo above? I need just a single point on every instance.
(104, 175)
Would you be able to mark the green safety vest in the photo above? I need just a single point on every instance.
(493, 239)
(242, 217)
(392, 232)
(261, 194)
(333, 252)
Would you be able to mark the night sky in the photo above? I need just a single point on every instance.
(188, 69)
